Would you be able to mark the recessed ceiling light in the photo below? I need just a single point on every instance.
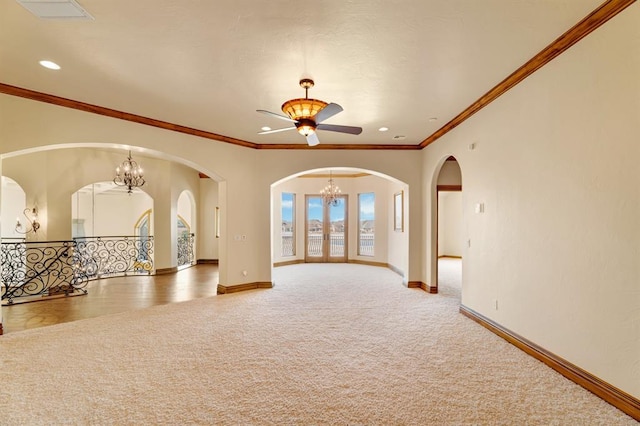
(50, 65)
(433, 119)
(266, 128)
(383, 129)
(399, 137)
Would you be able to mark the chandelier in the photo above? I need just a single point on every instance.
(331, 193)
(129, 174)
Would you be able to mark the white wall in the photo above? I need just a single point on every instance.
(450, 225)
(556, 166)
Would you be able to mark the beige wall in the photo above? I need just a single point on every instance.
(450, 224)
(207, 243)
(556, 166)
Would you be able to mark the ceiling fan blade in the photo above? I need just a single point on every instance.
(342, 129)
(276, 130)
(273, 114)
(327, 112)
(312, 139)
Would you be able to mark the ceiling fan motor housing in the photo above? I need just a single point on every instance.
(306, 126)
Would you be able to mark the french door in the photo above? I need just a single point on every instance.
(325, 230)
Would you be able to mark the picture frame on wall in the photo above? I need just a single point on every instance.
(398, 211)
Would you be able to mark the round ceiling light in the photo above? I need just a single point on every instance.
(383, 129)
(265, 128)
(49, 64)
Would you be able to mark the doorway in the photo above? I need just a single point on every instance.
(326, 227)
(449, 222)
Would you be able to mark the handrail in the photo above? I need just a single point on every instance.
(48, 268)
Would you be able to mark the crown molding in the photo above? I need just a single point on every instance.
(595, 19)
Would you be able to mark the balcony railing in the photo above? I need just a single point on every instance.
(287, 244)
(186, 251)
(32, 269)
(336, 244)
(366, 244)
(101, 257)
(51, 268)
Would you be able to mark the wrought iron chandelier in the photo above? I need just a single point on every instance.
(129, 174)
(331, 193)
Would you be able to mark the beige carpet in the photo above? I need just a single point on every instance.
(330, 344)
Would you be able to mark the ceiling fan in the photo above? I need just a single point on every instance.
(308, 115)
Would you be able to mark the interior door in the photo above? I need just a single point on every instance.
(326, 230)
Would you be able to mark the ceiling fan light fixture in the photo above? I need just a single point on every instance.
(306, 127)
(301, 108)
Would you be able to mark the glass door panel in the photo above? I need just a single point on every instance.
(314, 235)
(326, 230)
(337, 234)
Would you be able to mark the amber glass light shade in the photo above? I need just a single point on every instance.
(302, 108)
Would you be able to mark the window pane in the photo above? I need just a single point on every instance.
(288, 224)
(366, 223)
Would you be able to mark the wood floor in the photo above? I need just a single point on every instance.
(113, 295)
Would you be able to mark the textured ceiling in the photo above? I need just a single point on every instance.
(210, 64)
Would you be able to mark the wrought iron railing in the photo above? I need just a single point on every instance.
(186, 253)
(287, 244)
(31, 269)
(336, 244)
(366, 244)
(100, 257)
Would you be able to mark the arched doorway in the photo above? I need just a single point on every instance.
(364, 226)
(185, 230)
(449, 235)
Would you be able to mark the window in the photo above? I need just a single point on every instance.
(288, 206)
(366, 223)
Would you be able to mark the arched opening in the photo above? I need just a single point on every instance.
(113, 229)
(13, 205)
(185, 227)
(104, 209)
(449, 235)
(366, 224)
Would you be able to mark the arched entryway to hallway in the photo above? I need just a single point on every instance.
(366, 224)
(449, 229)
(186, 229)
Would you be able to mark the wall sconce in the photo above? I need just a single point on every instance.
(34, 225)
